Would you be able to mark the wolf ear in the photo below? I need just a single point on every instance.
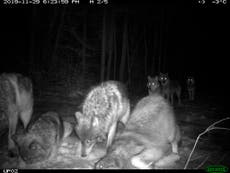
(156, 78)
(95, 122)
(149, 78)
(14, 137)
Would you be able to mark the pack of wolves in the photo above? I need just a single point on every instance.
(149, 134)
(170, 89)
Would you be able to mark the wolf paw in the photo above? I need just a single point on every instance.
(68, 128)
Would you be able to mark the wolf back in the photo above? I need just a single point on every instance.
(103, 107)
(150, 133)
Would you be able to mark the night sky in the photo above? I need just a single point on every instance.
(195, 39)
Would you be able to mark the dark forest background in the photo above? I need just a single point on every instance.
(79, 45)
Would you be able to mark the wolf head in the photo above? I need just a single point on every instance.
(190, 81)
(153, 83)
(110, 162)
(164, 79)
(87, 129)
(31, 147)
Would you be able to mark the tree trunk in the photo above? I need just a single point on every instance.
(103, 49)
(110, 47)
(115, 54)
(53, 60)
(124, 51)
(161, 53)
(154, 68)
(146, 52)
(32, 54)
(84, 47)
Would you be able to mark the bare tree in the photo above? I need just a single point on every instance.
(114, 53)
(103, 50)
(110, 46)
(146, 51)
(84, 47)
(124, 50)
(53, 56)
(32, 39)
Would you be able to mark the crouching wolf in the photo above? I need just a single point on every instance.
(104, 106)
(170, 88)
(42, 139)
(150, 135)
(16, 102)
(191, 87)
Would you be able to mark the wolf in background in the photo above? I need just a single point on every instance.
(150, 137)
(104, 106)
(170, 88)
(16, 102)
(191, 87)
(153, 85)
(42, 139)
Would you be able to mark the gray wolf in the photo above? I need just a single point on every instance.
(191, 87)
(150, 134)
(16, 102)
(104, 106)
(153, 85)
(42, 139)
(170, 88)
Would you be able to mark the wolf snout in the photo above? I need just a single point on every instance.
(83, 154)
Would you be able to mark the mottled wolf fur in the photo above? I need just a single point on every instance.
(191, 87)
(170, 88)
(153, 85)
(16, 102)
(104, 106)
(42, 139)
(150, 135)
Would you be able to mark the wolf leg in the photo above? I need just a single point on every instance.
(193, 94)
(25, 117)
(13, 120)
(174, 147)
(171, 99)
(125, 117)
(111, 134)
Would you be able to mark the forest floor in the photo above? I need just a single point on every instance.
(193, 118)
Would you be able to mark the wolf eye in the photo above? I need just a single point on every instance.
(99, 139)
(88, 141)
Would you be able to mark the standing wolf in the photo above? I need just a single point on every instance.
(104, 106)
(150, 137)
(170, 88)
(191, 88)
(42, 139)
(16, 102)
